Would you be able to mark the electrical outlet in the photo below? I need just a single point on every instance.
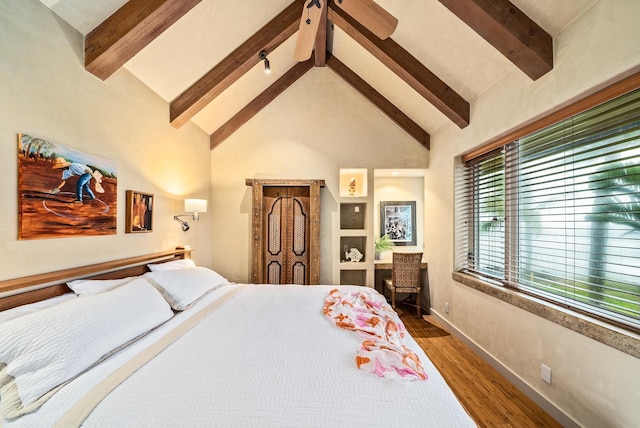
(545, 374)
(446, 307)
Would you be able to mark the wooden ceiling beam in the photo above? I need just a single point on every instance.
(234, 66)
(260, 102)
(320, 51)
(408, 68)
(510, 31)
(125, 33)
(388, 108)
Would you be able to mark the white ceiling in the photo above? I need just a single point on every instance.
(214, 28)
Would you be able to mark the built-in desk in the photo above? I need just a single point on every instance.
(383, 270)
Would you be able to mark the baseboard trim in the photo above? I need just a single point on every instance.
(534, 395)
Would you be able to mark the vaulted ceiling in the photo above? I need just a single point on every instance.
(201, 56)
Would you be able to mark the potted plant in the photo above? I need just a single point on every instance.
(382, 243)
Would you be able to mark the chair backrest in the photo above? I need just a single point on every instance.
(406, 269)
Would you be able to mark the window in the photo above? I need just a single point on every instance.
(556, 213)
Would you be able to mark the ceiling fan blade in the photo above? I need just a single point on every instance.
(371, 15)
(309, 24)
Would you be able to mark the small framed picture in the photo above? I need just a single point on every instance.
(139, 212)
(398, 220)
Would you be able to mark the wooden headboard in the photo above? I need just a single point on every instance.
(33, 288)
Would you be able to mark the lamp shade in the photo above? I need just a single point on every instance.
(195, 205)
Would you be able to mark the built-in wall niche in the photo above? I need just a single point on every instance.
(353, 277)
(353, 215)
(350, 243)
(400, 187)
(353, 182)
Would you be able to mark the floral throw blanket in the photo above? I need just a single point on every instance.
(383, 351)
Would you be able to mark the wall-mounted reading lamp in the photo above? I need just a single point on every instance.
(263, 57)
(193, 206)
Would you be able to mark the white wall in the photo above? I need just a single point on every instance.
(313, 129)
(594, 384)
(46, 93)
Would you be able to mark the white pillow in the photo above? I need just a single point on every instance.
(173, 265)
(87, 287)
(183, 287)
(41, 351)
(18, 311)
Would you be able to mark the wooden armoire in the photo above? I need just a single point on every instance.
(285, 231)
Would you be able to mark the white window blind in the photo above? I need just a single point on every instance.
(557, 213)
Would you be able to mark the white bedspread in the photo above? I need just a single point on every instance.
(266, 358)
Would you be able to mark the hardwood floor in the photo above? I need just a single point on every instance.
(487, 396)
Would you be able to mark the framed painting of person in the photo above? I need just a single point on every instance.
(139, 212)
(64, 192)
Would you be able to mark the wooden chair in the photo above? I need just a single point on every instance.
(405, 276)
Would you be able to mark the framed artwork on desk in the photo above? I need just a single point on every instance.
(398, 221)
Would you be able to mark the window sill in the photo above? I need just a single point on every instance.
(614, 337)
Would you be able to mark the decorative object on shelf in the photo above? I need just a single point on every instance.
(353, 182)
(354, 255)
(398, 220)
(139, 212)
(352, 187)
(193, 206)
(382, 243)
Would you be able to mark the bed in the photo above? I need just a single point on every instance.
(113, 344)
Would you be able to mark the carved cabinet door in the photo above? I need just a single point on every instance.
(286, 216)
(286, 239)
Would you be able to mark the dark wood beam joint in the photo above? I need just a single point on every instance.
(320, 50)
(510, 31)
(125, 33)
(394, 113)
(260, 102)
(408, 68)
(234, 66)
